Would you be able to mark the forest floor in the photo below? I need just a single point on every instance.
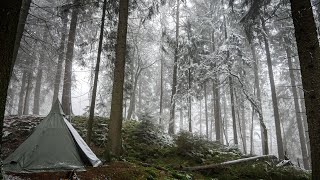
(151, 154)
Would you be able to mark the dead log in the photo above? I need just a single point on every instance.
(228, 163)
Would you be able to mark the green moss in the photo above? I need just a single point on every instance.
(144, 141)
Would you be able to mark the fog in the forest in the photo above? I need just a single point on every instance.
(224, 70)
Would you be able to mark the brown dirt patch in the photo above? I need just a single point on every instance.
(113, 171)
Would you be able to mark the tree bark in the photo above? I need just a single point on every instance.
(115, 142)
(133, 94)
(29, 87)
(237, 104)
(305, 123)
(200, 118)
(22, 21)
(206, 109)
(273, 94)
(296, 106)
(9, 18)
(181, 119)
(309, 56)
(57, 80)
(251, 133)
(174, 79)
(67, 81)
(234, 121)
(225, 117)
(96, 76)
(161, 75)
(263, 129)
(36, 98)
(22, 92)
(216, 94)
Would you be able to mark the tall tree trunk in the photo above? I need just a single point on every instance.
(297, 106)
(243, 127)
(251, 133)
(66, 93)
(174, 79)
(225, 117)
(181, 119)
(273, 94)
(234, 121)
(200, 118)
(161, 78)
(96, 76)
(29, 87)
(189, 76)
(57, 79)
(206, 109)
(133, 94)
(189, 99)
(216, 94)
(22, 92)
(305, 123)
(115, 142)
(36, 98)
(263, 129)
(22, 21)
(237, 104)
(140, 95)
(9, 18)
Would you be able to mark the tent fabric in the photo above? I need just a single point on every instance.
(53, 146)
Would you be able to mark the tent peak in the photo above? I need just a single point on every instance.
(57, 108)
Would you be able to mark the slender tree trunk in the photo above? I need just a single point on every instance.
(234, 121)
(305, 123)
(263, 129)
(251, 134)
(161, 79)
(174, 80)
(140, 95)
(22, 92)
(243, 127)
(297, 106)
(36, 98)
(181, 119)
(216, 94)
(22, 21)
(200, 118)
(237, 104)
(96, 76)
(57, 80)
(133, 95)
(189, 77)
(115, 142)
(9, 18)
(66, 93)
(26, 106)
(273, 94)
(225, 117)
(189, 101)
(206, 109)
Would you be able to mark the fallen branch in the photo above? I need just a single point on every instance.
(238, 161)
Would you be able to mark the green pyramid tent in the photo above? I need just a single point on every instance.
(53, 146)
